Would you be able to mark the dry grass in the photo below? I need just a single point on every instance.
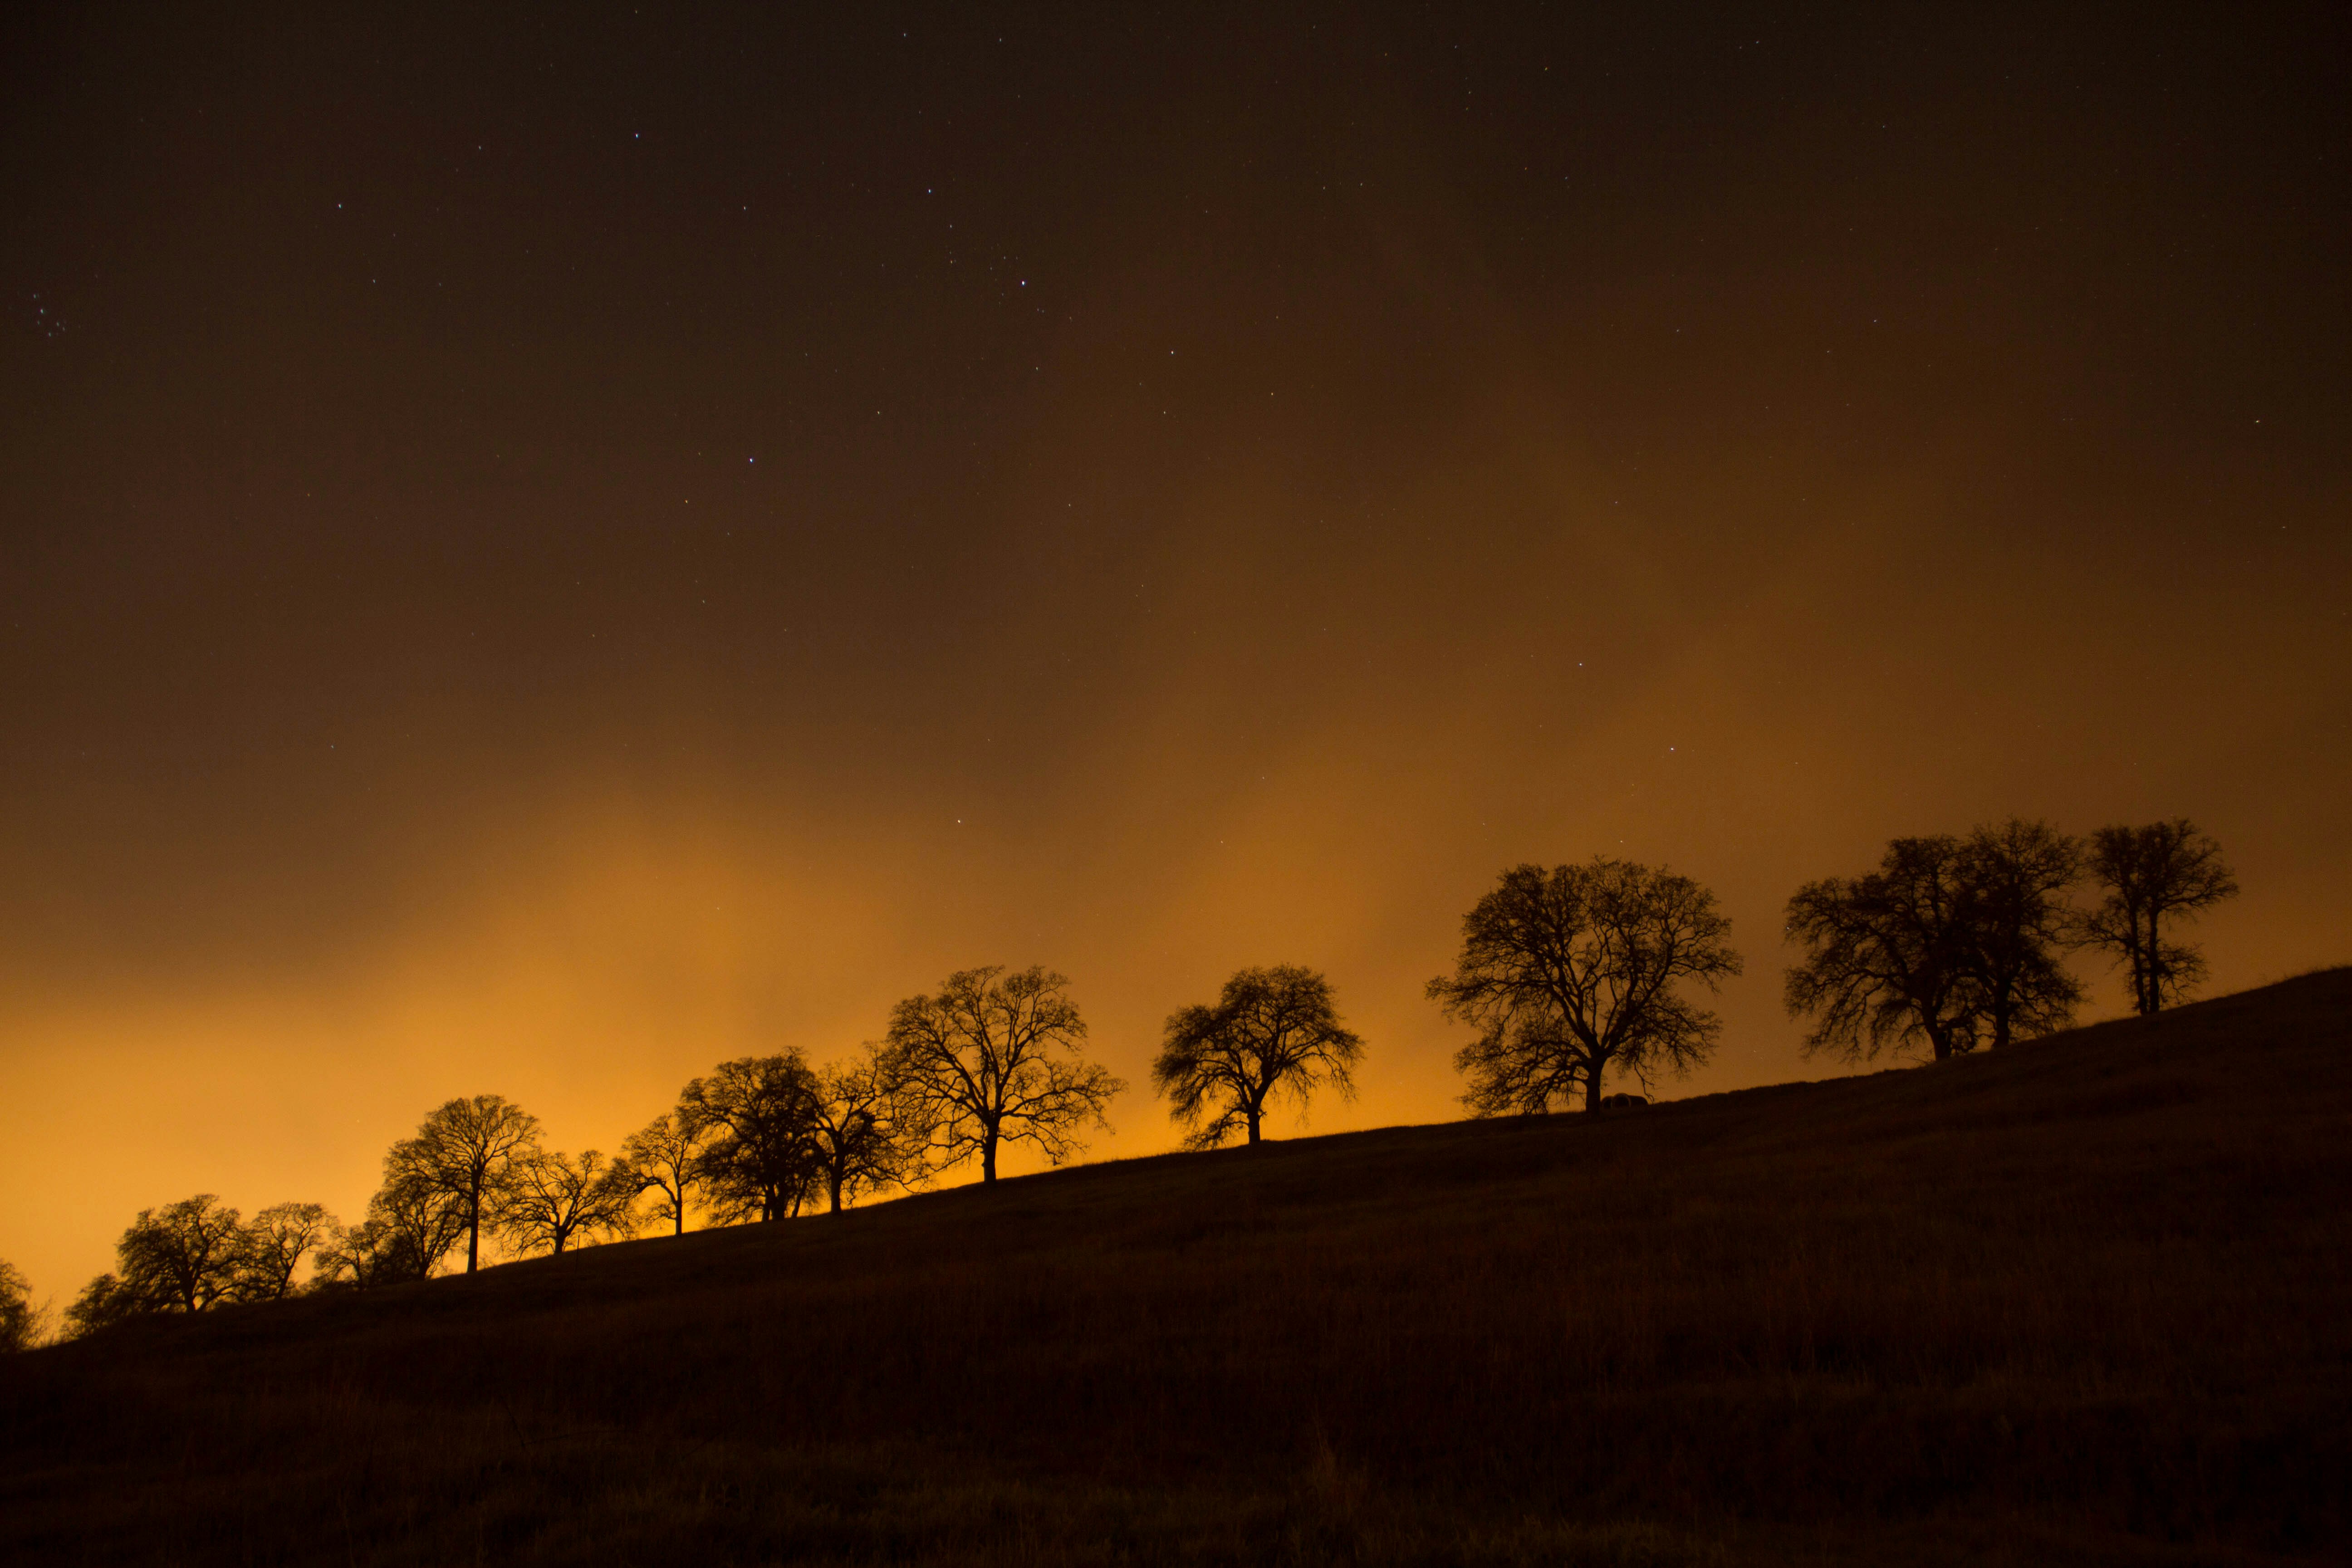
(2086, 1302)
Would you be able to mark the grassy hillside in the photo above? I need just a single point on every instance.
(2089, 1300)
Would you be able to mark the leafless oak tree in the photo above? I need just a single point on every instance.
(182, 1258)
(2017, 926)
(466, 1150)
(1952, 942)
(867, 1135)
(756, 1117)
(993, 1058)
(1571, 971)
(1886, 956)
(273, 1242)
(410, 1228)
(20, 1320)
(1270, 1031)
(2150, 878)
(551, 1199)
(664, 1156)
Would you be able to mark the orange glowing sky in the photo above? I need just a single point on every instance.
(543, 557)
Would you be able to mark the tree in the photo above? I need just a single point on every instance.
(2152, 877)
(550, 1198)
(183, 1257)
(466, 1151)
(20, 1320)
(665, 1156)
(273, 1246)
(2017, 926)
(862, 1128)
(409, 1230)
(1953, 943)
(756, 1116)
(1569, 972)
(1888, 958)
(104, 1302)
(1269, 1030)
(411, 1224)
(993, 1059)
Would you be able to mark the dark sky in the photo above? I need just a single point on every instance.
(541, 552)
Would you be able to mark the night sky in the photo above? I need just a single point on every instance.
(541, 552)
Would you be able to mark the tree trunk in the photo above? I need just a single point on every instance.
(474, 1229)
(987, 1155)
(832, 1186)
(1251, 1111)
(1592, 1086)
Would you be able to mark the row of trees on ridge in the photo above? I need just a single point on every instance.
(1569, 974)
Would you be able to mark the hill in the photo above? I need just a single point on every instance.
(2083, 1301)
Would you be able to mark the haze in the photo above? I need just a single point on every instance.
(541, 555)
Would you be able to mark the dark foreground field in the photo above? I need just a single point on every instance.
(2083, 1302)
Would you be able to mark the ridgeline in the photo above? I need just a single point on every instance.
(2088, 1299)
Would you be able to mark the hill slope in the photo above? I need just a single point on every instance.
(2088, 1301)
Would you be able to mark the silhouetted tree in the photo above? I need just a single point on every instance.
(864, 1135)
(466, 1151)
(2152, 877)
(104, 1302)
(664, 1156)
(184, 1256)
(757, 1117)
(2018, 925)
(410, 1228)
(978, 1066)
(1888, 957)
(20, 1320)
(272, 1247)
(1569, 972)
(550, 1198)
(1269, 1030)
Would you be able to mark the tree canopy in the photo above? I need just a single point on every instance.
(2150, 878)
(1270, 1031)
(552, 1199)
(1569, 972)
(756, 1118)
(1951, 943)
(993, 1058)
(466, 1151)
(665, 1156)
(20, 1324)
(868, 1134)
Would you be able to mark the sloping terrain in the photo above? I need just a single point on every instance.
(2087, 1301)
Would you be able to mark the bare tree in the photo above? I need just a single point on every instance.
(467, 1150)
(104, 1302)
(184, 1256)
(664, 1156)
(409, 1230)
(2018, 926)
(1571, 971)
(273, 1246)
(2152, 877)
(758, 1119)
(993, 1059)
(864, 1134)
(1269, 1030)
(551, 1199)
(20, 1320)
(1888, 955)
